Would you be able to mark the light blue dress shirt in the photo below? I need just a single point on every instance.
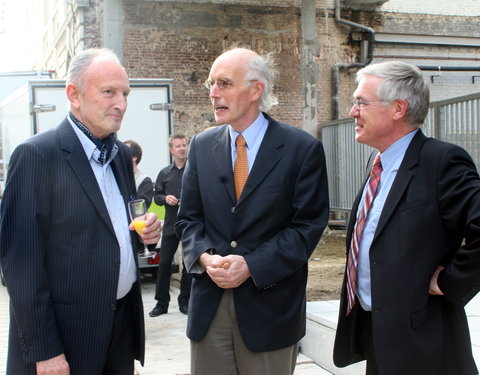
(253, 137)
(116, 210)
(391, 159)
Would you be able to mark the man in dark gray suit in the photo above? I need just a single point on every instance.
(416, 263)
(248, 248)
(67, 251)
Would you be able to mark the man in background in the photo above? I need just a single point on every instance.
(168, 187)
(143, 183)
(413, 237)
(68, 253)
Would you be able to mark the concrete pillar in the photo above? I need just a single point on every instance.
(309, 66)
(112, 29)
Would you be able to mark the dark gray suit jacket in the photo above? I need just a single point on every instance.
(60, 255)
(275, 225)
(433, 204)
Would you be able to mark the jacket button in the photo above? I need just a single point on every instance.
(233, 244)
(113, 306)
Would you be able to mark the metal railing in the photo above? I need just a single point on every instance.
(454, 120)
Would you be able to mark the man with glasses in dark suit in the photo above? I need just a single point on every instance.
(413, 237)
(254, 205)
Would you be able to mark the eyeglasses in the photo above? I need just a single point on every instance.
(361, 103)
(222, 84)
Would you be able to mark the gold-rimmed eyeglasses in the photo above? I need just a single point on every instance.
(222, 84)
(360, 103)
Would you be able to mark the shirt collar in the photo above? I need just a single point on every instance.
(91, 150)
(174, 166)
(251, 133)
(104, 146)
(395, 152)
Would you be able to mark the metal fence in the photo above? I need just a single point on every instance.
(455, 120)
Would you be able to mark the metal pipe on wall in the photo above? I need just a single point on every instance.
(366, 56)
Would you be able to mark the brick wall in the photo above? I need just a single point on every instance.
(92, 18)
(181, 40)
(337, 46)
(426, 24)
(276, 3)
(444, 7)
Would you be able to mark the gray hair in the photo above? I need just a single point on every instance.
(401, 81)
(82, 61)
(262, 68)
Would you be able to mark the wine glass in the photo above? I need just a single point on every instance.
(137, 209)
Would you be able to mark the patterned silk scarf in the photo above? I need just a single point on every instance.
(105, 145)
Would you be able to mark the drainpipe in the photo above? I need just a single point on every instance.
(336, 83)
(366, 57)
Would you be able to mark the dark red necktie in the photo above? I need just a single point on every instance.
(352, 262)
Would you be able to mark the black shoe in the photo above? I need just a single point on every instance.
(183, 309)
(157, 311)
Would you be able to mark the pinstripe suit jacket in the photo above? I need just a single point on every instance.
(60, 255)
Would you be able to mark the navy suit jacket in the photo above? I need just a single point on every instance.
(60, 255)
(275, 226)
(433, 204)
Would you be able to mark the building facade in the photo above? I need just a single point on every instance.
(318, 46)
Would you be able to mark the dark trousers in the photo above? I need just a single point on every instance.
(168, 248)
(365, 338)
(120, 357)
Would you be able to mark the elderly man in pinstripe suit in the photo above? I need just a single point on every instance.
(67, 253)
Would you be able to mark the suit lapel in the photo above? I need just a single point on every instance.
(77, 160)
(268, 156)
(356, 203)
(353, 215)
(121, 165)
(220, 149)
(402, 180)
(118, 164)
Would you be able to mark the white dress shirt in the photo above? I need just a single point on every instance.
(116, 210)
(391, 159)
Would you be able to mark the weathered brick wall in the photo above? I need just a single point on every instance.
(277, 3)
(337, 46)
(412, 23)
(181, 40)
(444, 85)
(93, 22)
(444, 7)
(82, 31)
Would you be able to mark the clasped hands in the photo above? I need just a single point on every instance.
(227, 272)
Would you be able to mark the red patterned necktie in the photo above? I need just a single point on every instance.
(358, 230)
(240, 169)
